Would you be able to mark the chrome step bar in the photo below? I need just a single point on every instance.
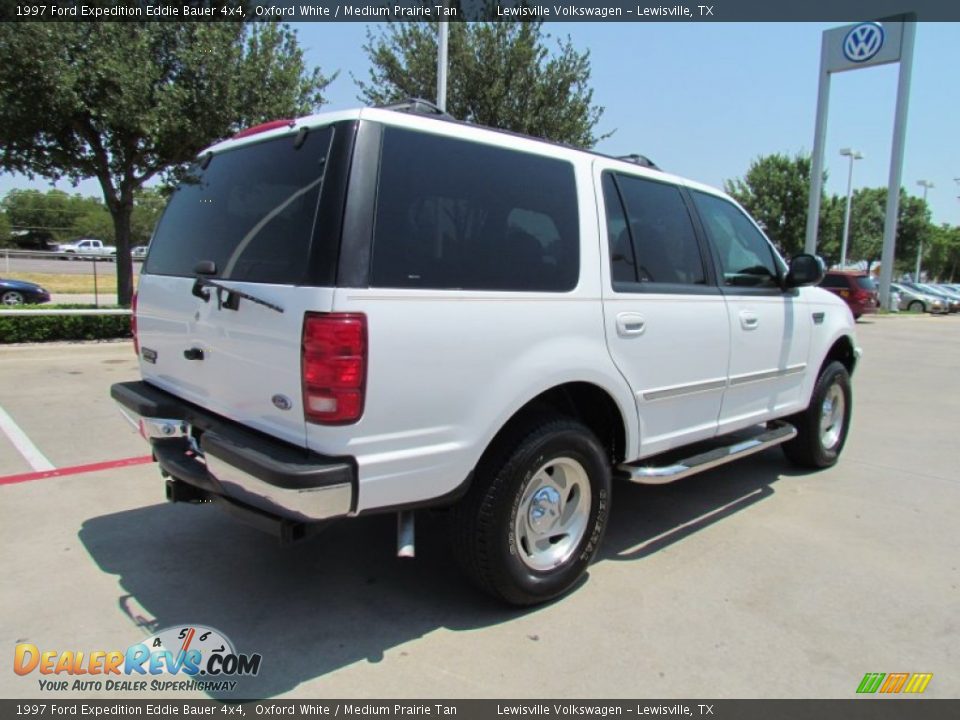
(775, 434)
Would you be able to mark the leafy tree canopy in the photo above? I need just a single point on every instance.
(124, 102)
(775, 192)
(501, 74)
(942, 255)
(41, 218)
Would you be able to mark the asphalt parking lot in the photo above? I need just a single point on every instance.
(753, 580)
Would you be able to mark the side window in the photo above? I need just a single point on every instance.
(651, 236)
(623, 266)
(453, 214)
(746, 258)
(834, 281)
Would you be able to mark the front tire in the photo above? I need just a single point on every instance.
(917, 306)
(12, 297)
(536, 512)
(822, 428)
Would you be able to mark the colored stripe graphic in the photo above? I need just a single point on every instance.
(914, 683)
(918, 682)
(75, 470)
(894, 683)
(870, 682)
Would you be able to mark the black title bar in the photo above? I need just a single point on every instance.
(859, 709)
(473, 10)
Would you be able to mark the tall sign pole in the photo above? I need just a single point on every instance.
(442, 65)
(896, 163)
(819, 138)
(852, 47)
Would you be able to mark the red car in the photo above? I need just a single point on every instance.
(857, 288)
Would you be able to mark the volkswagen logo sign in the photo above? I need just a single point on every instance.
(863, 42)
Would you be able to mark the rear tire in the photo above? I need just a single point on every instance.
(12, 297)
(535, 513)
(822, 428)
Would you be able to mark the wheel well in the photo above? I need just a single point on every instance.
(842, 352)
(581, 401)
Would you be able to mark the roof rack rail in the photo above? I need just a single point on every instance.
(641, 160)
(418, 106)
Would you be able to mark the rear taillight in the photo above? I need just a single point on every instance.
(334, 367)
(133, 324)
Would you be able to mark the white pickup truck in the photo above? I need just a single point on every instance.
(86, 248)
(385, 309)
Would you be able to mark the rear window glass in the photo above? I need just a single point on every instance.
(251, 211)
(453, 214)
(866, 283)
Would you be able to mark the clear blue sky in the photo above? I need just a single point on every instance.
(703, 100)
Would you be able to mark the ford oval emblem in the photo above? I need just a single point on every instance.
(282, 402)
(863, 42)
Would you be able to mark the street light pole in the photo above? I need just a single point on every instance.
(926, 185)
(853, 155)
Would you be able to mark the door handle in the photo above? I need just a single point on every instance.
(748, 320)
(629, 324)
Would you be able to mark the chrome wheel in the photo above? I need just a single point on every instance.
(11, 297)
(831, 417)
(553, 514)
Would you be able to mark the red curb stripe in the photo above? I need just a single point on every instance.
(74, 470)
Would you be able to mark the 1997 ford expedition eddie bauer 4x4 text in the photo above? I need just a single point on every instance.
(385, 309)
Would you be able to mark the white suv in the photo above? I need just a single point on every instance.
(383, 310)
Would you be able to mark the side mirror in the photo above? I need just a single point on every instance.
(804, 270)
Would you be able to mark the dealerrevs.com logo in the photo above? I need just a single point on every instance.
(184, 657)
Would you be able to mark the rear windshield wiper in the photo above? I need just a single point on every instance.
(232, 301)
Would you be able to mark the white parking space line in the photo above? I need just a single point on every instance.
(31, 453)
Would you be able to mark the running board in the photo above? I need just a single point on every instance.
(775, 434)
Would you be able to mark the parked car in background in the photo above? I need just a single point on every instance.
(87, 248)
(952, 295)
(950, 302)
(139, 252)
(857, 288)
(21, 292)
(919, 301)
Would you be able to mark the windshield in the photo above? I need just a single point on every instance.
(250, 211)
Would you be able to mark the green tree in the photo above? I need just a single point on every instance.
(5, 240)
(39, 218)
(92, 220)
(148, 203)
(56, 216)
(501, 74)
(124, 102)
(941, 258)
(775, 191)
(867, 214)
